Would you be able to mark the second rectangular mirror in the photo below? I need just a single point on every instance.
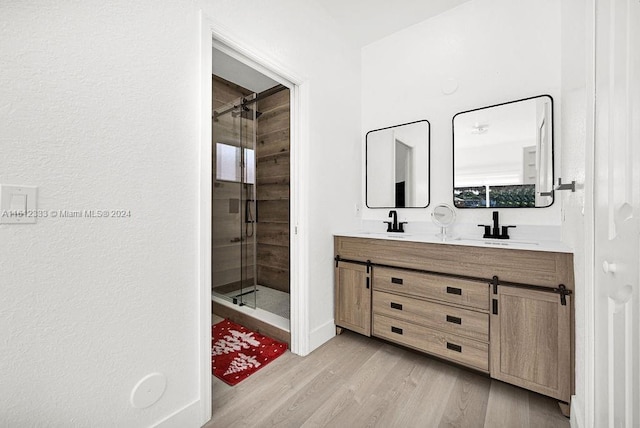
(397, 166)
(503, 155)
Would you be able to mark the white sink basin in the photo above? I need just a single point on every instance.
(387, 234)
(498, 242)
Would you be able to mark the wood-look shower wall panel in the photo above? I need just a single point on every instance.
(271, 275)
(279, 99)
(272, 178)
(275, 256)
(225, 227)
(273, 211)
(273, 266)
(273, 120)
(274, 234)
(225, 131)
(227, 208)
(227, 212)
(273, 188)
(225, 92)
(273, 167)
(274, 142)
(273, 240)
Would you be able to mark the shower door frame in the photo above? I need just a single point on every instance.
(212, 35)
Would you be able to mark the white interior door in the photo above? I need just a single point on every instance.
(617, 213)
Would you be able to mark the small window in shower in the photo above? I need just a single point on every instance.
(229, 164)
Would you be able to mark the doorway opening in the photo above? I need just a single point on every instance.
(250, 224)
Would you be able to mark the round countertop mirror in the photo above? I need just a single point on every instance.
(443, 216)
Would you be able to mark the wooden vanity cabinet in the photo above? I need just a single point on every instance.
(469, 305)
(353, 297)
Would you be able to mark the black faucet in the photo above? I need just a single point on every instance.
(394, 226)
(496, 229)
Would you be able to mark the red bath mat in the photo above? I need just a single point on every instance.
(237, 352)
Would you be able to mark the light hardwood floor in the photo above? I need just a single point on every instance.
(354, 381)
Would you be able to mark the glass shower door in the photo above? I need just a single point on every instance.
(234, 210)
(248, 199)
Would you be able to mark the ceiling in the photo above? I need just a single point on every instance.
(365, 21)
(239, 73)
(361, 21)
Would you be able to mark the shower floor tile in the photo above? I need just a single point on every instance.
(274, 301)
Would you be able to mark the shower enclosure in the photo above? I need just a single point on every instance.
(234, 207)
(250, 207)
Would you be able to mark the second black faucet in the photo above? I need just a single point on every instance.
(496, 234)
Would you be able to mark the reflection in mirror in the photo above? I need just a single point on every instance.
(503, 155)
(397, 166)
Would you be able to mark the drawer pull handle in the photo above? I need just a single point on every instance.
(396, 280)
(396, 330)
(454, 320)
(454, 347)
(454, 290)
(396, 306)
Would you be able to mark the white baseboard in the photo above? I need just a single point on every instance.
(322, 334)
(577, 413)
(188, 416)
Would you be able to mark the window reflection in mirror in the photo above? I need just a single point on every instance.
(503, 155)
(397, 166)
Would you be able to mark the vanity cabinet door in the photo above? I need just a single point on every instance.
(531, 341)
(353, 298)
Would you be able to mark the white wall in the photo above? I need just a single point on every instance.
(300, 37)
(577, 149)
(496, 51)
(100, 109)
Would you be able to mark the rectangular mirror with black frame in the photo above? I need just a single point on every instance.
(397, 166)
(503, 155)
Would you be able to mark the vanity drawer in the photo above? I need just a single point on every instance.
(454, 290)
(435, 315)
(452, 347)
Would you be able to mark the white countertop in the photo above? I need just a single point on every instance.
(514, 244)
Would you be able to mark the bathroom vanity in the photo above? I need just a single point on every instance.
(500, 308)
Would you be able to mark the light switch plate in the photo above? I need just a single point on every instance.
(17, 204)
